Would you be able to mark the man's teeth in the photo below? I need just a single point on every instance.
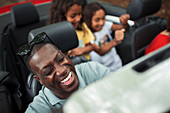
(66, 78)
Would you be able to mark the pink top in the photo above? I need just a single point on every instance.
(159, 41)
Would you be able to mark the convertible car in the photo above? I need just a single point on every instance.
(24, 21)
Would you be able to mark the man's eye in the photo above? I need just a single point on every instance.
(60, 58)
(47, 71)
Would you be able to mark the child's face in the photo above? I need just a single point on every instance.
(74, 15)
(98, 20)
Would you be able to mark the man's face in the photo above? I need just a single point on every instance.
(74, 15)
(54, 70)
(98, 20)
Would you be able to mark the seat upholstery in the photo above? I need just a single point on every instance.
(63, 36)
(139, 36)
(6, 102)
(9, 90)
(24, 14)
(24, 18)
(136, 40)
(141, 8)
(33, 86)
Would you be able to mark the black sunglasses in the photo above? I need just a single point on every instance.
(24, 50)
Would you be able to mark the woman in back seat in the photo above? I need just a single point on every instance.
(160, 40)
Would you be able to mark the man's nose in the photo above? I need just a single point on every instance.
(60, 70)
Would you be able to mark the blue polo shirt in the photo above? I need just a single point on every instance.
(47, 102)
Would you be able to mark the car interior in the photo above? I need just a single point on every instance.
(18, 87)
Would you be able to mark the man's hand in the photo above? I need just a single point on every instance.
(119, 36)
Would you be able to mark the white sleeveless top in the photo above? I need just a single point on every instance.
(110, 59)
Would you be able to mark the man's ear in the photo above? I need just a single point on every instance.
(36, 77)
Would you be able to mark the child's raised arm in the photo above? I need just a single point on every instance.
(119, 36)
(124, 22)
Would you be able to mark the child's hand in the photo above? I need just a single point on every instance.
(119, 36)
(124, 18)
(75, 52)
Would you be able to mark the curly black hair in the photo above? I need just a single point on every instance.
(59, 9)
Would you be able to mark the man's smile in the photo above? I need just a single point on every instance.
(68, 80)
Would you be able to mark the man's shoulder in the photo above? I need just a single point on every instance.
(86, 68)
(87, 64)
(90, 66)
(38, 103)
(91, 71)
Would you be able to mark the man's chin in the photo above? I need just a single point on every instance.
(71, 90)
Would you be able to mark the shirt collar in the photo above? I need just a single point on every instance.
(51, 97)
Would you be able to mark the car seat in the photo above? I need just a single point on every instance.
(63, 36)
(5, 103)
(9, 93)
(24, 18)
(140, 35)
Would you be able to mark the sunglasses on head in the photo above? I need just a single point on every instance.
(26, 49)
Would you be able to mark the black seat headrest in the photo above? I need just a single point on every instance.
(141, 8)
(33, 87)
(24, 14)
(61, 34)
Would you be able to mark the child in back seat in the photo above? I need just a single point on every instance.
(104, 46)
(71, 10)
